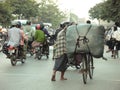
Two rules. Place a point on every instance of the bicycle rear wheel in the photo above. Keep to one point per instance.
(84, 68)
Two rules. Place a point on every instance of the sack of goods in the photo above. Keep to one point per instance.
(91, 39)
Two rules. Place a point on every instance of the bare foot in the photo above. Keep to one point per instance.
(53, 78)
(63, 78)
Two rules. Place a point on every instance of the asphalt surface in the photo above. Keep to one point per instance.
(36, 75)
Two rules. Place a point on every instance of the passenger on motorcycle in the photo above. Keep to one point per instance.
(39, 37)
(22, 44)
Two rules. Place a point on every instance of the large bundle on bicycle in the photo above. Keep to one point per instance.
(86, 38)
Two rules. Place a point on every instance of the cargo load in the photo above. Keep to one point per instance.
(89, 39)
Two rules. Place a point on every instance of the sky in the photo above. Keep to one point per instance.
(79, 7)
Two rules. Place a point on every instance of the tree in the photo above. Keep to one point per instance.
(73, 17)
(24, 8)
(49, 12)
(108, 10)
(5, 14)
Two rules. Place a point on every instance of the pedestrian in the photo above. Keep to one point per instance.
(116, 37)
(58, 30)
(59, 55)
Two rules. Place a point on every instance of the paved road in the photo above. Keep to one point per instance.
(36, 74)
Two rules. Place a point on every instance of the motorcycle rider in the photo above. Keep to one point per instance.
(23, 38)
(28, 30)
(14, 36)
(39, 37)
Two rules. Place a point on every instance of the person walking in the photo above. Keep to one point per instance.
(59, 55)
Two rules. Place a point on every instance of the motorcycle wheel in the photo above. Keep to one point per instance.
(22, 60)
(13, 60)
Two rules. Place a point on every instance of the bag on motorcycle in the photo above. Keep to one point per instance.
(94, 34)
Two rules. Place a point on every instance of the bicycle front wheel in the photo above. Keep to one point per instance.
(90, 66)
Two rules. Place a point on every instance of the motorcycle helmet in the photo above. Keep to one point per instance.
(41, 26)
(19, 24)
(38, 27)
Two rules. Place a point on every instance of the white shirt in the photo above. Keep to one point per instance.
(14, 36)
(109, 34)
(116, 34)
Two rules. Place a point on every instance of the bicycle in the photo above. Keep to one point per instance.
(86, 64)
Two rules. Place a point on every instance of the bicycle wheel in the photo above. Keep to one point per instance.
(84, 68)
(90, 66)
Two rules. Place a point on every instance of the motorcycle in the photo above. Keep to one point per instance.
(14, 54)
(41, 50)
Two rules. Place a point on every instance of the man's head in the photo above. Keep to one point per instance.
(64, 24)
(41, 25)
(28, 22)
(88, 22)
(117, 24)
(18, 24)
(38, 27)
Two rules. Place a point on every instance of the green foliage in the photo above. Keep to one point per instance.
(24, 8)
(45, 11)
(49, 12)
(5, 14)
(108, 10)
(73, 17)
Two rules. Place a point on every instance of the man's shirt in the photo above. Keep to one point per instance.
(60, 44)
(14, 36)
(116, 34)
